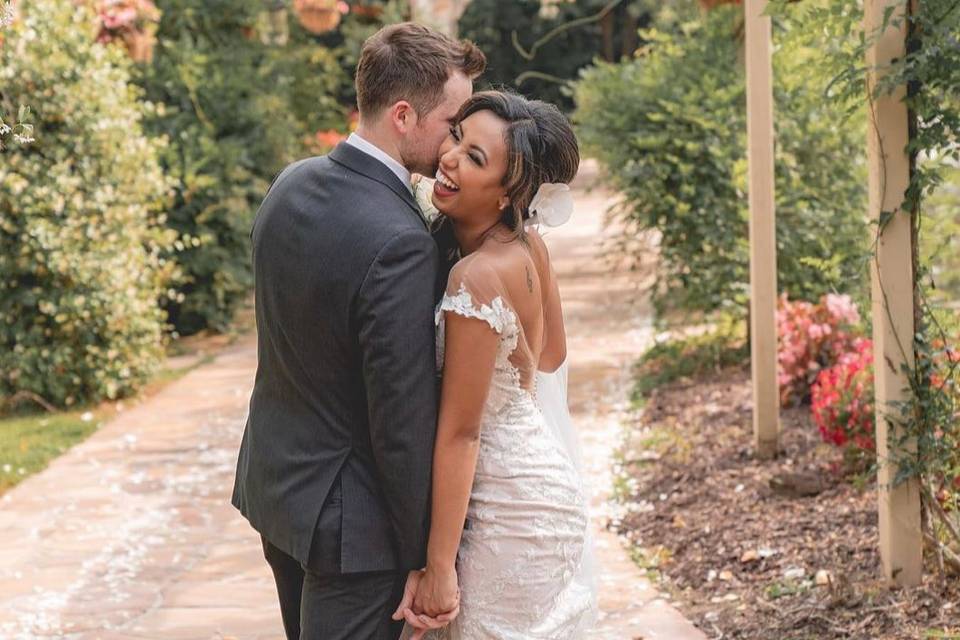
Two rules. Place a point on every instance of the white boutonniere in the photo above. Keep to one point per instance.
(552, 205)
(423, 193)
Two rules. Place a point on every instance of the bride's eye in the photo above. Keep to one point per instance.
(455, 134)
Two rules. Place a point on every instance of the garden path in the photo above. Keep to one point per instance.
(130, 535)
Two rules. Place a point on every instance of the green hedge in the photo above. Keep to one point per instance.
(670, 129)
(81, 236)
(235, 112)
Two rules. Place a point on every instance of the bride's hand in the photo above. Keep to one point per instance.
(438, 592)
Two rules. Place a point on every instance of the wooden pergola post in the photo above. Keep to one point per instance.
(763, 241)
(901, 541)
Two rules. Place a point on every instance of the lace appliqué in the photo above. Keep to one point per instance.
(496, 314)
(505, 385)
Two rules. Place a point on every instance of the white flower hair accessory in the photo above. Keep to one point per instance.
(553, 204)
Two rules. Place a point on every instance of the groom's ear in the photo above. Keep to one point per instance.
(403, 116)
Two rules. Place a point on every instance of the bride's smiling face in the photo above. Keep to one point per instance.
(473, 163)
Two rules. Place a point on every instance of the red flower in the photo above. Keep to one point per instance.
(842, 398)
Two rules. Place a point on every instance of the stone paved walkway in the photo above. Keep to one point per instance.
(130, 535)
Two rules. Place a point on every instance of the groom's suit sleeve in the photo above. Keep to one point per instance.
(395, 313)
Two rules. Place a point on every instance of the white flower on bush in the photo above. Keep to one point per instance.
(6, 13)
(842, 308)
(22, 131)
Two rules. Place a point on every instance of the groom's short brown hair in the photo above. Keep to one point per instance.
(411, 62)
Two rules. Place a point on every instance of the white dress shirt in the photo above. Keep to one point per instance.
(371, 149)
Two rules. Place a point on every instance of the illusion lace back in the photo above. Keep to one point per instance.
(521, 562)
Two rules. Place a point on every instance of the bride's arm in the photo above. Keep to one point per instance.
(470, 356)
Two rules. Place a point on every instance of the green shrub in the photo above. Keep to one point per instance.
(81, 236)
(311, 79)
(690, 356)
(235, 112)
(670, 130)
(940, 242)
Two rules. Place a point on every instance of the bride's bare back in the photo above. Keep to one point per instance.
(517, 274)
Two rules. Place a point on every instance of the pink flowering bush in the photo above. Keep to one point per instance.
(117, 16)
(842, 400)
(132, 22)
(812, 338)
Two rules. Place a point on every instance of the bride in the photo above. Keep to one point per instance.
(508, 553)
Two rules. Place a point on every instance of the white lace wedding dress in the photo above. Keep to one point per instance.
(524, 560)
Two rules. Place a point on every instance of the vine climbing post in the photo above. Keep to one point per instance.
(892, 292)
(763, 242)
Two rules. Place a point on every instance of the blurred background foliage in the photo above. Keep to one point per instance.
(83, 243)
(942, 234)
(236, 108)
(669, 127)
(572, 34)
(158, 128)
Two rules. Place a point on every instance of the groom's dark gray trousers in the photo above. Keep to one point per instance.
(335, 606)
(335, 463)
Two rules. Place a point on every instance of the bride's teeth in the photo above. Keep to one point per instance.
(447, 182)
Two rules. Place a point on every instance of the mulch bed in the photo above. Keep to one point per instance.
(778, 550)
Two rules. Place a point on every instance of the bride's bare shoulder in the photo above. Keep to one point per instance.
(477, 270)
(497, 262)
(477, 262)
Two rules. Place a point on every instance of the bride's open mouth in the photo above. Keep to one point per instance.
(444, 186)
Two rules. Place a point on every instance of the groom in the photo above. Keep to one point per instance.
(335, 464)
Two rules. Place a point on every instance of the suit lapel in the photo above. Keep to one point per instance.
(366, 165)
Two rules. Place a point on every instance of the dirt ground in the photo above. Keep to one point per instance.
(780, 550)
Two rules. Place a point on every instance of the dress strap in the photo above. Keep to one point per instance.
(496, 314)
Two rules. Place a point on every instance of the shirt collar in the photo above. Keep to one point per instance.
(354, 140)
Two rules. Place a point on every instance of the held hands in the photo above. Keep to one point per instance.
(438, 591)
(431, 600)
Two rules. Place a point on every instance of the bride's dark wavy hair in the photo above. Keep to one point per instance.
(541, 147)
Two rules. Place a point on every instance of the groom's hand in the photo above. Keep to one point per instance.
(409, 593)
(421, 623)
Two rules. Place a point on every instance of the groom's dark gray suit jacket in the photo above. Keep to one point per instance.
(335, 463)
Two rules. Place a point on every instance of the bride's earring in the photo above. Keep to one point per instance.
(503, 202)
